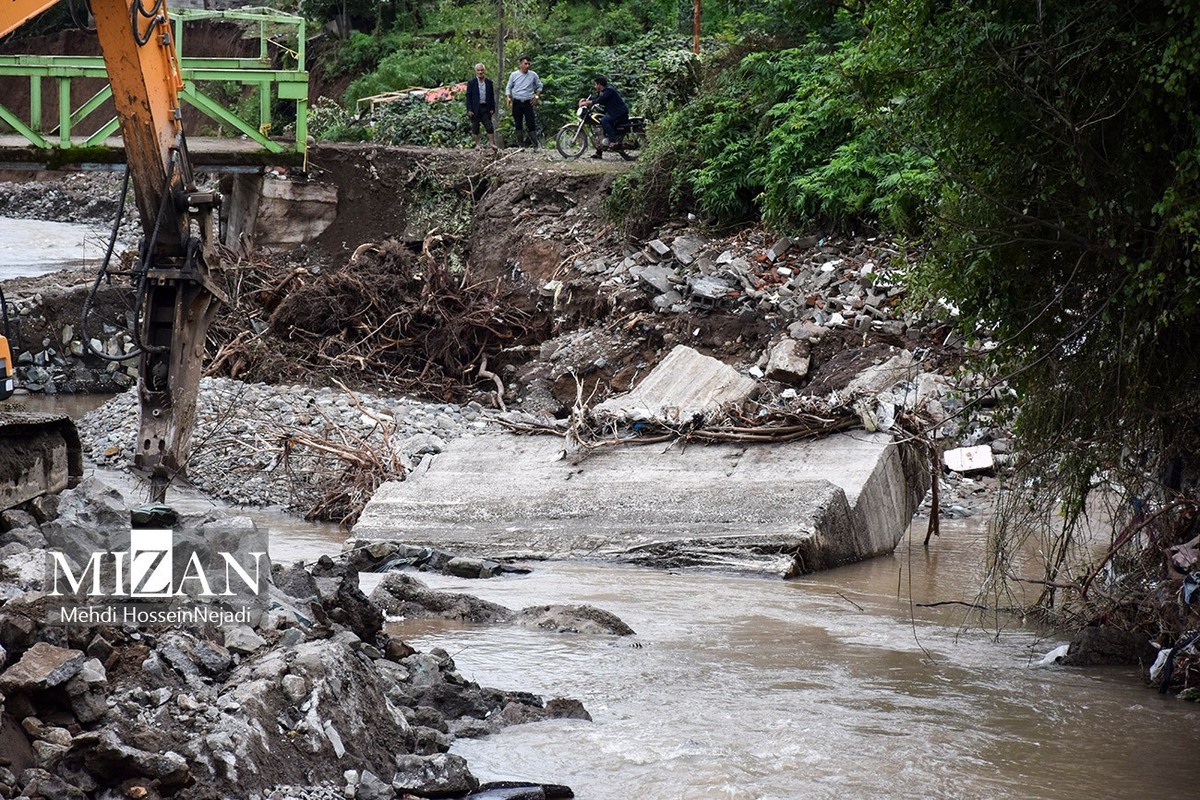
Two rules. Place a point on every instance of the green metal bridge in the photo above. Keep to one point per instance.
(78, 136)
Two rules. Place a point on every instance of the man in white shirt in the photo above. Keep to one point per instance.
(522, 94)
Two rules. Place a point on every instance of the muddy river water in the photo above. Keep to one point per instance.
(834, 685)
(34, 247)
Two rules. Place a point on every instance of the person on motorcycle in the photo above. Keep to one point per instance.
(615, 112)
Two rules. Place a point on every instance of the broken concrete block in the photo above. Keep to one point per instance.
(656, 277)
(242, 639)
(806, 329)
(969, 459)
(845, 497)
(659, 248)
(683, 385)
(666, 300)
(709, 288)
(438, 775)
(778, 249)
(876, 379)
(788, 362)
(593, 267)
(686, 247)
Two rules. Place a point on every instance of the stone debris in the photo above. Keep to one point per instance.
(241, 431)
(403, 596)
(309, 699)
(41, 667)
(787, 362)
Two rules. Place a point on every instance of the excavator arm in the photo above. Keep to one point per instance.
(176, 299)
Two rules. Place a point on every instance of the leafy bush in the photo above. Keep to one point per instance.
(433, 64)
(329, 120)
(618, 25)
(671, 80)
(361, 53)
(782, 135)
(415, 120)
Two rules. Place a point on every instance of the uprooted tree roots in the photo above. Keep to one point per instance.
(1143, 581)
(389, 315)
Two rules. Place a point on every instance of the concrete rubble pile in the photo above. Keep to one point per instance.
(817, 324)
(814, 325)
(310, 698)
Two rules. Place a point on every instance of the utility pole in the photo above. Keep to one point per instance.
(500, 76)
(696, 28)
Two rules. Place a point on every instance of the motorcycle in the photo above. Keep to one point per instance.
(574, 138)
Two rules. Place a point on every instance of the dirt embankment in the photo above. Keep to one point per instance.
(445, 267)
(458, 274)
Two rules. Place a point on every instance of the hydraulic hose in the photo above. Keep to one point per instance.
(103, 275)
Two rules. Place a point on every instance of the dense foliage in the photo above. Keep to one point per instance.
(1065, 136)
(782, 135)
(1066, 139)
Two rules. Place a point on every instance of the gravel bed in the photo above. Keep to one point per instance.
(244, 429)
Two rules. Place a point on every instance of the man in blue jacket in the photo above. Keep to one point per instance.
(481, 105)
(615, 112)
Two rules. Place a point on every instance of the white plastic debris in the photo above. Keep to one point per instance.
(1055, 656)
(1160, 663)
(969, 459)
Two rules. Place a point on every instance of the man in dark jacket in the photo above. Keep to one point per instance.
(615, 112)
(481, 105)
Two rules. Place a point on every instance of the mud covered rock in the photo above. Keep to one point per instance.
(1104, 644)
(440, 775)
(572, 619)
(43, 666)
(402, 595)
(113, 761)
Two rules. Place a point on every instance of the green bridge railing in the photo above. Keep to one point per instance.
(202, 77)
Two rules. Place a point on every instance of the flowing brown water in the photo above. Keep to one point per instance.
(830, 686)
(35, 247)
(835, 685)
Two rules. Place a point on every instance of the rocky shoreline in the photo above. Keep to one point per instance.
(305, 696)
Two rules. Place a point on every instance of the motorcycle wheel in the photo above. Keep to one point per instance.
(635, 141)
(571, 141)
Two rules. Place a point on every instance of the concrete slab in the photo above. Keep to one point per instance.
(782, 509)
(684, 384)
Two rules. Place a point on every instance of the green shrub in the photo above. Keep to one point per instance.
(433, 64)
(329, 120)
(782, 135)
(414, 120)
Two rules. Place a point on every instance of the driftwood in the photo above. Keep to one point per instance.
(401, 318)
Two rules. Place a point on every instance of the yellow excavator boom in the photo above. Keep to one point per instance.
(16, 13)
(175, 296)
